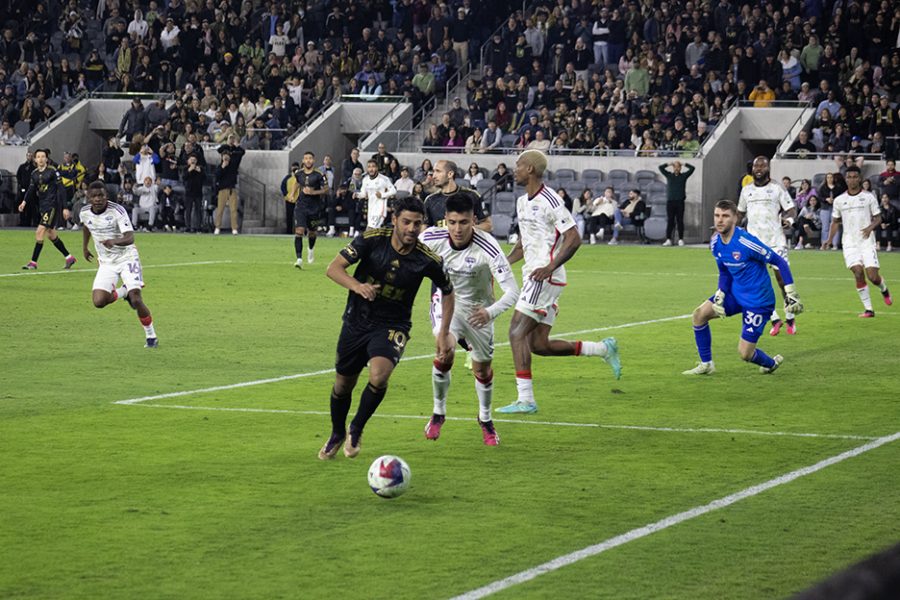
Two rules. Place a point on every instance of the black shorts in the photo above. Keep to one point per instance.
(307, 216)
(50, 219)
(355, 347)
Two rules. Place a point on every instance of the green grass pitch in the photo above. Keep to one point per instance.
(175, 497)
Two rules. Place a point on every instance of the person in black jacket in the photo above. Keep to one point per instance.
(193, 180)
(23, 180)
(134, 121)
(226, 192)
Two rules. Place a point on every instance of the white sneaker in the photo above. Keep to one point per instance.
(617, 226)
(613, 242)
(330, 232)
(75, 227)
(234, 232)
(681, 242)
(593, 239)
(600, 234)
(703, 368)
(799, 246)
(667, 243)
(299, 263)
(352, 232)
(216, 232)
(778, 360)
(310, 257)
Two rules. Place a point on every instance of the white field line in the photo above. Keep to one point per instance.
(676, 274)
(640, 532)
(525, 421)
(242, 384)
(187, 264)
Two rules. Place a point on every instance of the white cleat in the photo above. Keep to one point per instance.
(704, 368)
(299, 263)
(768, 370)
(310, 257)
(667, 243)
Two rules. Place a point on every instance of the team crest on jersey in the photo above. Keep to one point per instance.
(395, 263)
(470, 260)
(736, 255)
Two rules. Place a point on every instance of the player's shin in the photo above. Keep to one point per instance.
(762, 359)
(340, 408)
(864, 296)
(484, 389)
(36, 253)
(147, 323)
(61, 246)
(524, 387)
(440, 383)
(703, 338)
(591, 349)
(368, 404)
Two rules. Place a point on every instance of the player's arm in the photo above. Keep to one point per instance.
(126, 239)
(444, 340)
(517, 253)
(391, 191)
(502, 273)
(337, 269)
(571, 241)
(832, 231)
(86, 237)
(724, 288)
(29, 197)
(792, 301)
(873, 225)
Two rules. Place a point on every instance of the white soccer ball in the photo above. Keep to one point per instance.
(389, 476)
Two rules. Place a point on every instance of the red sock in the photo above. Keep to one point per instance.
(577, 348)
(489, 379)
(442, 367)
(523, 374)
(146, 321)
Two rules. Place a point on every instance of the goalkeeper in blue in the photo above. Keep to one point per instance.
(744, 288)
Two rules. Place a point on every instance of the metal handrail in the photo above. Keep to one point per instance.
(824, 155)
(776, 103)
(607, 152)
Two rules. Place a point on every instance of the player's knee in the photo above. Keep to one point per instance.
(100, 300)
(699, 316)
(746, 353)
(482, 370)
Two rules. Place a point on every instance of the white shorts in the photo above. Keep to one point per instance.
(481, 339)
(781, 251)
(109, 273)
(375, 214)
(863, 254)
(539, 300)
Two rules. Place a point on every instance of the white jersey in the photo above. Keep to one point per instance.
(763, 206)
(110, 224)
(542, 221)
(377, 207)
(855, 213)
(472, 270)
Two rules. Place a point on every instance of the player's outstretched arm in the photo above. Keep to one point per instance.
(517, 253)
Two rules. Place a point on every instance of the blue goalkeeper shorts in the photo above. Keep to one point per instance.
(753, 320)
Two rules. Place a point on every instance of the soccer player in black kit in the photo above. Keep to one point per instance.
(46, 186)
(310, 206)
(391, 265)
(445, 172)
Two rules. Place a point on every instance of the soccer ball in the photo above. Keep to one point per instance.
(389, 476)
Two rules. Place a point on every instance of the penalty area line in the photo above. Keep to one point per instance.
(650, 428)
(651, 528)
(168, 266)
(232, 386)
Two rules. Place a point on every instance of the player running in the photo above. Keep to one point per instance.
(860, 214)
(113, 236)
(310, 205)
(377, 189)
(548, 238)
(46, 186)
(768, 208)
(392, 264)
(473, 260)
(744, 287)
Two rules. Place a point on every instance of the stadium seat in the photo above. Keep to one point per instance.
(462, 182)
(484, 186)
(22, 129)
(655, 227)
(565, 175)
(618, 175)
(508, 140)
(591, 176)
(501, 225)
(504, 204)
(644, 178)
(657, 187)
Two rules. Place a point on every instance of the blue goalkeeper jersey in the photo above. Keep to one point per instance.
(742, 268)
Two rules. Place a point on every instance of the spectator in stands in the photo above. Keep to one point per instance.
(8, 136)
(454, 142)
(169, 206)
(833, 187)
(762, 95)
(630, 212)
(808, 222)
(492, 137)
(382, 158)
(148, 203)
(676, 196)
(225, 184)
(473, 175)
(602, 211)
(433, 138)
(889, 224)
(193, 180)
(503, 179)
(405, 183)
(474, 141)
(803, 147)
(889, 180)
(350, 163)
(424, 173)
(134, 121)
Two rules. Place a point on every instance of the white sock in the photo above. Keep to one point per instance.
(485, 393)
(122, 291)
(149, 330)
(440, 383)
(789, 315)
(593, 349)
(526, 390)
(883, 285)
(865, 297)
(774, 316)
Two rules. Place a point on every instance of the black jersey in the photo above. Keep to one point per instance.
(399, 276)
(436, 206)
(47, 186)
(316, 181)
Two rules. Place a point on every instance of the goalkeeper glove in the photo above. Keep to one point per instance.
(719, 304)
(792, 301)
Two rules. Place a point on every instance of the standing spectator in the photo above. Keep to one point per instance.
(890, 181)
(405, 183)
(278, 41)
(226, 192)
(459, 34)
(134, 121)
(809, 59)
(676, 195)
(169, 206)
(888, 227)
(349, 164)
(148, 200)
(194, 178)
(145, 163)
(112, 154)
(290, 191)
(23, 180)
(383, 158)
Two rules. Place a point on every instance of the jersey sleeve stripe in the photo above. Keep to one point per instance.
(554, 201)
(751, 245)
(484, 245)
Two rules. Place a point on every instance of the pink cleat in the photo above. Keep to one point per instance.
(70, 260)
(491, 437)
(776, 328)
(869, 314)
(886, 294)
(31, 266)
(791, 328)
(433, 429)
